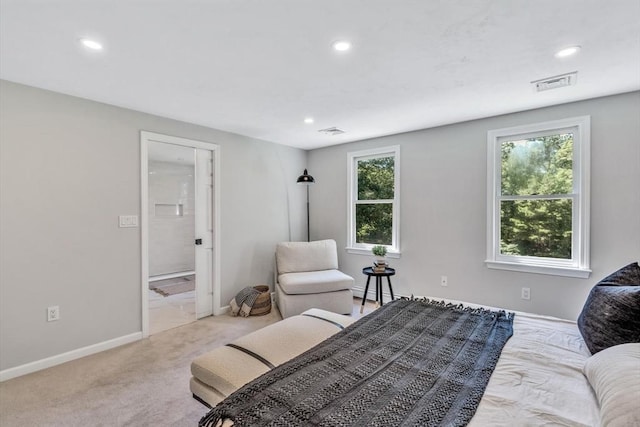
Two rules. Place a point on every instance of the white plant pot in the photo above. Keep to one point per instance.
(380, 259)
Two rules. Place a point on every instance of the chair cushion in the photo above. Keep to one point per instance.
(293, 257)
(288, 338)
(314, 282)
(218, 369)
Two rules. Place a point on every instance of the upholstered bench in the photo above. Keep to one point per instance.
(222, 371)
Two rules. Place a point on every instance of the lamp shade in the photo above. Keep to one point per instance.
(305, 178)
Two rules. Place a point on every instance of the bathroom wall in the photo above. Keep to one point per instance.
(171, 218)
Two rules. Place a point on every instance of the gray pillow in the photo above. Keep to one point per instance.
(611, 315)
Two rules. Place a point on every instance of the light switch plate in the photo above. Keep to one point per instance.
(126, 221)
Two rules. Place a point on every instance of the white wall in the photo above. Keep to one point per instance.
(68, 168)
(443, 208)
(171, 217)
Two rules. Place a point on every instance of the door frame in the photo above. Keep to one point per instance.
(145, 138)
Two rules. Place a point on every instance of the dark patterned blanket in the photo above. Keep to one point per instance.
(413, 363)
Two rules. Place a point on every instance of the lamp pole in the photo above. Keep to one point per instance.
(308, 222)
(307, 180)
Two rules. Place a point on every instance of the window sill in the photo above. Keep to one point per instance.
(581, 273)
(361, 251)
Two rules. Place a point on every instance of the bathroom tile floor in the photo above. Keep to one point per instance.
(172, 311)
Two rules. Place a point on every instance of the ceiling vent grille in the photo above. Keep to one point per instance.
(555, 82)
(331, 131)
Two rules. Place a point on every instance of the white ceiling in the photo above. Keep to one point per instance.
(259, 67)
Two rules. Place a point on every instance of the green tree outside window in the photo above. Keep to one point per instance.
(374, 205)
(536, 204)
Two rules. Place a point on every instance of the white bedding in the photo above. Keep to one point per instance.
(538, 380)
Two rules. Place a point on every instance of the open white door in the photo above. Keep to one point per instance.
(204, 232)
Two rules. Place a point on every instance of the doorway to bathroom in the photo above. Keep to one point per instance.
(178, 231)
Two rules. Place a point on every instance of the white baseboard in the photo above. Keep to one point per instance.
(38, 365)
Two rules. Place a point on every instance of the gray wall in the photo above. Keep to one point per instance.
(443, 208)
(68, 168)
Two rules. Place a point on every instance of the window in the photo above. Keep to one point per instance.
(538, 198)
(374, 200)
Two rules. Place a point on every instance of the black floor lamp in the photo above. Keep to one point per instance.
(307, 180)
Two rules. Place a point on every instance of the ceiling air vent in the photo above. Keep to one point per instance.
(331, 131)
(555, 82)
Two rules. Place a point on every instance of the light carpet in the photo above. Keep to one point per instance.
(138, 384)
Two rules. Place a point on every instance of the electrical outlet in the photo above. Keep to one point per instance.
(443, 281)
(526, 293)
(53, 313)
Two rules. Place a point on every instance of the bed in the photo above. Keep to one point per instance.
(543, 374)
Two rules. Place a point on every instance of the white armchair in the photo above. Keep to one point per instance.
(307, 276)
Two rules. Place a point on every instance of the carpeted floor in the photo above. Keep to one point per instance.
(140, 384)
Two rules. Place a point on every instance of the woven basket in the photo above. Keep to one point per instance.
(262, 305)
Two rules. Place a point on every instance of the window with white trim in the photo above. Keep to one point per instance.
(374, 194)
(538, 198)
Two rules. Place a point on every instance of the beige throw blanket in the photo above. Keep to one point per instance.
(243, 302)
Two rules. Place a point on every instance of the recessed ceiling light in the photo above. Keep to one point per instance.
(341, 45)
(308, 120)
(91, 44)
(567, 51)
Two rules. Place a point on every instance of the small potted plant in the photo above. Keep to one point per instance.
(380, 251)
